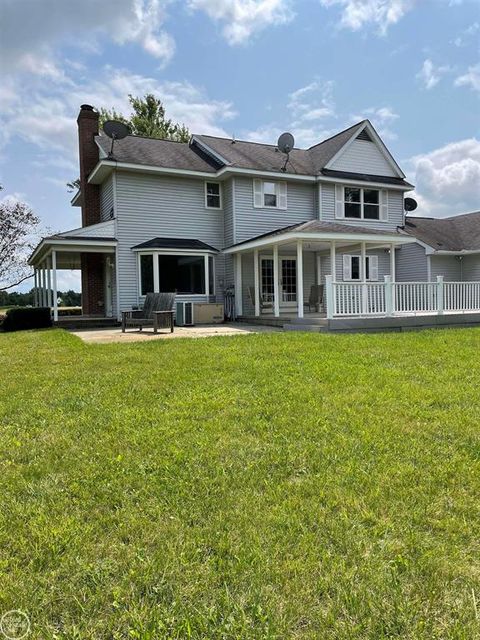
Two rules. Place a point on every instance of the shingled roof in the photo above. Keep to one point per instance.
(458, 233)
(233, 153)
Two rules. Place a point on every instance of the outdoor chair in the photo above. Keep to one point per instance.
(263, 303)
(157, 312)
(315, 298)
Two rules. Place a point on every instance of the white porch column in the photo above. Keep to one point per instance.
(363, 274)
(54, 285)
(238, 284)
(256, 282)
(300, 278)
(392, 262)
(318, 262)
(276, 288)
(49, 282)
(333, 261)
(43, 293)
(207, 278)
(35, 287)
(440, 294)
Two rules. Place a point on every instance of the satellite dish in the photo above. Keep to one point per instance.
(285, 142)
(285, 145)
(116, 131)
(410, 204)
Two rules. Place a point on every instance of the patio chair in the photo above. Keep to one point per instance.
(157, 312)
(263, 303)
(315, 298)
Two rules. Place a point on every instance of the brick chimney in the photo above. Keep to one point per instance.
(91, 263)
(89, 154)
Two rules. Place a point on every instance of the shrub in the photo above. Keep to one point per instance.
(21, 318)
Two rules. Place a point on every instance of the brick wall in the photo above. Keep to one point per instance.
(88, 155)
(93, 288)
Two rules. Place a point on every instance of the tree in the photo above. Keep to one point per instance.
(147, 119)
(18, 223)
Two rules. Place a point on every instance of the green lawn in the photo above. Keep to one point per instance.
(263, 486)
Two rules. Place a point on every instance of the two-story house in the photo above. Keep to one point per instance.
(201, 217)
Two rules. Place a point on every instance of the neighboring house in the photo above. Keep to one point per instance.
(200, 217)
(448, 247)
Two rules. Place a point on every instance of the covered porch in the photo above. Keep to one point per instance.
(296, 272)
(93, 256)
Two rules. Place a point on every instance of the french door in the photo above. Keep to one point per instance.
(287, 284)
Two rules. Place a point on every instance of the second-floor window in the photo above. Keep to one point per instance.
(362, 203)
(268, 194)
(213, 195)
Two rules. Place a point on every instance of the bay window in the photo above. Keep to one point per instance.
(186, 274)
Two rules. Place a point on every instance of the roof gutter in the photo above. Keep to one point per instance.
(105, 167)
(319, 237)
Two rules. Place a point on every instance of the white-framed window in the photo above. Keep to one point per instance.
(184, 273)
(361, 203)
(269, 194)
(213, 195)
(352, 267)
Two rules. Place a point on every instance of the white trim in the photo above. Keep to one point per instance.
(234, 218)
(108, 246)
(429, 268)
(367, 185)
(187, 252)
(256, 282)
(362, 203)
(278, 184)
(54, 285)
(205, 268)
(75, 201)
(276, 287)
(377, 140)
(319, 193)
(97, 176)
(238, 284)
(320, 237)
(299, 278)
(392, 263)
(220, 196)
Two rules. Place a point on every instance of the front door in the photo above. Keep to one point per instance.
(287, 283)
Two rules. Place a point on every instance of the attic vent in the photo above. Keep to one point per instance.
(364, 135)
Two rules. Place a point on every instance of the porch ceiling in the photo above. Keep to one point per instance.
(68, 250)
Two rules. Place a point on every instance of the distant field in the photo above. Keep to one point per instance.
(258, 487)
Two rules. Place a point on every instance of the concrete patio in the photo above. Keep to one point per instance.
(114, 334)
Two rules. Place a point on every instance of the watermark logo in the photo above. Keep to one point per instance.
(14, 624)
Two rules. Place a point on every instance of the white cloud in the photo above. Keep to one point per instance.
(45, 116)
(470, 79)
(29, 44)
(312, 102)
(448, 179)
(357, 14)
(465, 36)
(382, 119)
(243, 18)
(430, 74)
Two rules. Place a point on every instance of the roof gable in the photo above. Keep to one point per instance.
(364, 148)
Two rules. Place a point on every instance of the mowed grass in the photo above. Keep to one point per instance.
(254, 487)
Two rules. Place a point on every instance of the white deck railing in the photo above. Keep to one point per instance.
(349, 299)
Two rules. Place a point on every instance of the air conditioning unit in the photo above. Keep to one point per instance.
(184, 314)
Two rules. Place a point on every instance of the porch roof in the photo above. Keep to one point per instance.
(69, 249)
(175, 243)
(319, 231)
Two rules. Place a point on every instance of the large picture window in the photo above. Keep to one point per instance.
(183, 274)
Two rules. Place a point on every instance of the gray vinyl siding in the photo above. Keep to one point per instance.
(157, 206)
(471, 268)
(106, 199)
(362, 156)
(395, 210)
(251, 221)
(229, 237)
(446, 266)
(411, 263)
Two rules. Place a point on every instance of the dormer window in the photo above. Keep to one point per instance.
(213, 195)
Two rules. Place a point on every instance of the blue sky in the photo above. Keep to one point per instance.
(252, 68)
